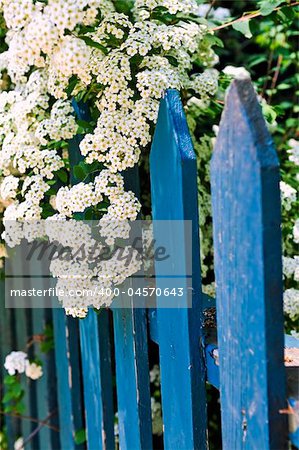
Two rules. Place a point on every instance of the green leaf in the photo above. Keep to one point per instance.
(213, 40)
(8, 397)
(51, 191)
(72, 84)
(79, 172)
(17, 390)
(283, 86)
(269, 112)
(80, 95)
(62, 175)
(243, 27)
(80, 436)
(257, 60)
(10, 379)
(173, 61)
(268, 6)
(47, 346)
(20, 408)
(88, 41)
(287, 14)
(88, 215)
(124, 6)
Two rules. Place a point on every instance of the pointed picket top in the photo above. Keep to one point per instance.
(242, 117)
(171, 105)
(174, 198)
(247, 247)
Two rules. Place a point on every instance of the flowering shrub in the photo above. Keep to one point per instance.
(120, 64)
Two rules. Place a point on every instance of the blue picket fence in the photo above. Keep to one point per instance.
(245, 362)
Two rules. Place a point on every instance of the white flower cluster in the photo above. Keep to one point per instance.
(294, 151)
(47, 51)
(296, 232)
(173, 6)
(124, 126)
(37, 31)
(123, 204)
(205, 84)
(60, 125)
(18, 362)
(291, 303)
(291, 267)
(24, 126)
(288, 195)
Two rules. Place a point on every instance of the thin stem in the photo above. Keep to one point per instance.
(269, 65)
(275, 77)
(32, 419)
(250, 16)
(37, 429)
(277, 70)
(34, 432)
(210, 8)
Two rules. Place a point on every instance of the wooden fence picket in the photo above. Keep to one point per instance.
(131, 360)
(249, 371)
(247, 242)
(7, 344)
(68, 370)
(97, 381)
(174, 197)
(43, 393)
(95, 347)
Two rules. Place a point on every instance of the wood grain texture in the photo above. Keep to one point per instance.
(132, 374)
(247, 241)
(68, 370)
(97, 381)
(131, 359)
(22, 333)
(44, 394)
(174, 197)
(7, 344)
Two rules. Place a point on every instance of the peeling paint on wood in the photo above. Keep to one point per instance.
(247, 242)
(179, 331)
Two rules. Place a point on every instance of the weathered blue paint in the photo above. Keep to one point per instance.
(212, 366)
(22, 333)
(245, 184)
(95, 353)
(97, 382)
(132, 375)
(131, 358)
(213, 377)
(68, 378)
(247, 242)
(68, 336)
(174, 197)
(7, 344)
(104, 328)
(294, 435)
(152, 319)
(43, 398)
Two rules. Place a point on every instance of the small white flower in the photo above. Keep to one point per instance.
(18, 445)
(33, 371)
(15, 362)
